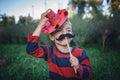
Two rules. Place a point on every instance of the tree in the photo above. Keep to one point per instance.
(11, 20)
(105, 28)
(106, 17)
(4, 20)
(24, 20)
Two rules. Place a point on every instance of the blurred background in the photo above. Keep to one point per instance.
(96, 24)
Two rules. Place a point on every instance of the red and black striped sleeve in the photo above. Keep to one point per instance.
(34, 49)
(85, 69)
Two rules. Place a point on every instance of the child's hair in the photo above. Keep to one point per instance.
(57, 30)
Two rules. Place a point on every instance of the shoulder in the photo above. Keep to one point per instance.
(78, 51)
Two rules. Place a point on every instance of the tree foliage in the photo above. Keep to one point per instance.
(99, 29)
(102, 27)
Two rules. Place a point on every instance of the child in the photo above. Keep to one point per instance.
(62, 65)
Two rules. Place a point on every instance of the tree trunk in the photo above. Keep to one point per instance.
(103, 42)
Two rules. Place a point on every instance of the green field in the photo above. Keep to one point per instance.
(15, 64)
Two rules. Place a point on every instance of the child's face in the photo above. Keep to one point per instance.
(65, 29)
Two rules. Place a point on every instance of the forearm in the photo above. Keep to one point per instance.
(33, 48)
(41, 24)
(37, 30)
(32, 45)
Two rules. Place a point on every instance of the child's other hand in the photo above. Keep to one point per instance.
(43, 19)
(74, 62)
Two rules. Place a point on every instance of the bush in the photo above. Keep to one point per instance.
(85, 30)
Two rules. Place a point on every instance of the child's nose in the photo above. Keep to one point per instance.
(64, 31)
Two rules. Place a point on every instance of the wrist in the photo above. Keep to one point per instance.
(40, 26)
(37, 30)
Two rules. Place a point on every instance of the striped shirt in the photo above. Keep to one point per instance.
(58, 62)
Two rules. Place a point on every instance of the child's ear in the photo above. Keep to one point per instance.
(52, 38)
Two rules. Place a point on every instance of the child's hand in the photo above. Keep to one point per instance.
(41, 24)
(43, 19)
(74, 62)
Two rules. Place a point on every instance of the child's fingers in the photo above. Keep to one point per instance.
(74, 61)
(74, 67)
(48, 10)
(45, 13)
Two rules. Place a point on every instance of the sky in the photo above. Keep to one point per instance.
(33, 7)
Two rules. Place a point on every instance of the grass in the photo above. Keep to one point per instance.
(15, 64)
(105, 65)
